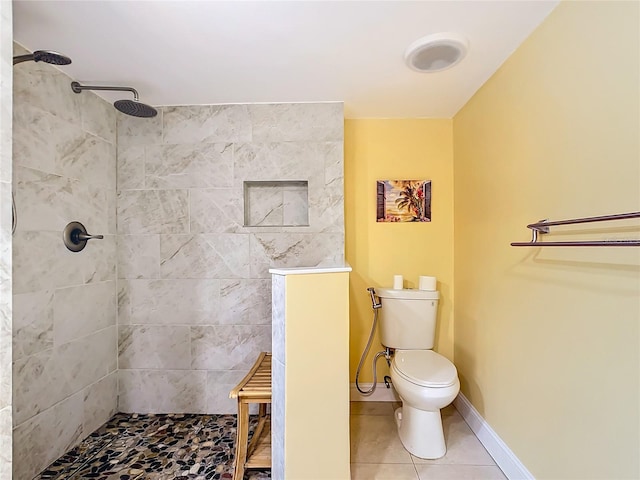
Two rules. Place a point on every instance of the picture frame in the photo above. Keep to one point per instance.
(403, 201)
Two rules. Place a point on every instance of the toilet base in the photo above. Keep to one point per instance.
(421, 432)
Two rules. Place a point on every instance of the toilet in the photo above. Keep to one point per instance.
(425, 380)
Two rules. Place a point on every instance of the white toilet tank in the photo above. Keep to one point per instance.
(407, 319)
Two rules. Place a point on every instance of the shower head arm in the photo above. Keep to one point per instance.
(77, 88)
(128, 107)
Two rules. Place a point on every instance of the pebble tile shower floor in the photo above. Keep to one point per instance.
(155, 447)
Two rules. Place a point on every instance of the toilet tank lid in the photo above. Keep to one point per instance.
(408, 294)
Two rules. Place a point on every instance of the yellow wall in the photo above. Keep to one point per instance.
(547, 340)
(317, 382)
(396, 150)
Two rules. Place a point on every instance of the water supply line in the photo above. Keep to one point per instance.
(376, 305)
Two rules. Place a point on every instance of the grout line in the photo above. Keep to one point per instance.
(415, 468)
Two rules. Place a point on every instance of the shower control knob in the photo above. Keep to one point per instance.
(75, 236)
(83, 236)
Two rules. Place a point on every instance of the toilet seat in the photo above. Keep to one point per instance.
(425, 368)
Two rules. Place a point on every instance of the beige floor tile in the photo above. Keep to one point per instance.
(463, 447)
(459, 472)
(383, 471)
(371, 408)
(374, 439)
(448, 410)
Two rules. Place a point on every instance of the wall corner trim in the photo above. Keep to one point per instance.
(511, 466)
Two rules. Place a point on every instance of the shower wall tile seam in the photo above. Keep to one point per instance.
(158, 189)
(65, 171)
(186, 132)
(6, 306)
(21, 417)
(189, 369)
(145, 152)
(76, 392)
(63, 287)
(118, 280)
(92, 332)
(73, 340)
(191, 325)
(239, 371)
(57, 173)
(57, 346)
(97, 135)
(37, 107)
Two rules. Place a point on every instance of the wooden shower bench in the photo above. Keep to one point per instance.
(255, 387)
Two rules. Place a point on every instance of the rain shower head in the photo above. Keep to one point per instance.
(135, 108)
(47, 56)
(128, 107)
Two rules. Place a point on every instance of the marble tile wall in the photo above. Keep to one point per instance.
(6, 102)
(194, 291)
(64, 303)
(278, 378)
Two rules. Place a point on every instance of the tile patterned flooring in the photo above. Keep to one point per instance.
(378, 454)
(155, 447)
(201, 447)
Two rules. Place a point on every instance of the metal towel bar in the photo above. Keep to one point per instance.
(543, 227)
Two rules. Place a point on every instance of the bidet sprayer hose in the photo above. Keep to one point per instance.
(375, 360)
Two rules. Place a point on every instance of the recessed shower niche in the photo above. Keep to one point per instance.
(276, 203)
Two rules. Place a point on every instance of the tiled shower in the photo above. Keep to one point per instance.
(170, 309)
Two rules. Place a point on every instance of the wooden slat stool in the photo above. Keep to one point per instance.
(255, 387)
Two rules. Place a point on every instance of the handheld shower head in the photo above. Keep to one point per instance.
(375, 304)
(47, 56)
(128, 107)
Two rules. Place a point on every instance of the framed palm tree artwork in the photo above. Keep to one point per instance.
(403, 201)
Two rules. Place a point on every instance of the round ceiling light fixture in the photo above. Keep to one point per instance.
(437, 52)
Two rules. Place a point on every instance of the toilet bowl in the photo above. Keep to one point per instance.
(426, 382)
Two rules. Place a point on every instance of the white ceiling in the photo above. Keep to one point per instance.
(212, 52)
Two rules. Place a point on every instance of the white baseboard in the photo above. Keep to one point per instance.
(504, 457)
(382, 393)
